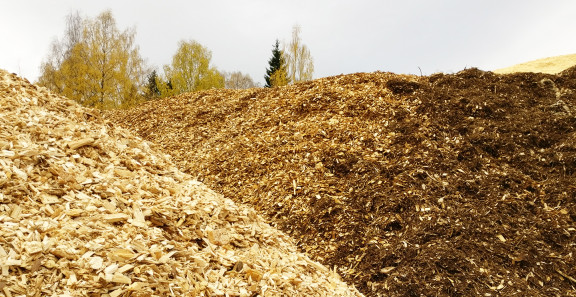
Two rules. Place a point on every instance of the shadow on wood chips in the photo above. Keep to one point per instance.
(448, 185)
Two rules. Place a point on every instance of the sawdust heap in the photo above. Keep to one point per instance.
(447, 185)
(87, 209)
(550, 65)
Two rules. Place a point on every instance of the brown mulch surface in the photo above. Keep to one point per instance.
(448, 185)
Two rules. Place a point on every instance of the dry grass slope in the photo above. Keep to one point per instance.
(447, 185)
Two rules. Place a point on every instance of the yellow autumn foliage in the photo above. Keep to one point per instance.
(97, 64)
(189, 71)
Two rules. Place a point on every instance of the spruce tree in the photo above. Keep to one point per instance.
(152, 90)
(276, 63)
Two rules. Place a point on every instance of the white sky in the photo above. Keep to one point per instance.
(343, 36)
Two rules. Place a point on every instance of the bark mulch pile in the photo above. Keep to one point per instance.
(88, 209)
(448, 185)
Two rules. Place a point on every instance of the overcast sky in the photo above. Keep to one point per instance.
(343, 36)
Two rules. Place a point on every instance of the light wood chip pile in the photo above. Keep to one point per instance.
(87, 209)
(550, 65)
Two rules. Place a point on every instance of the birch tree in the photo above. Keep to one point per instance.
(190, 71)
(300, 64)
(60, 50)
(238, 80)
(96, 64)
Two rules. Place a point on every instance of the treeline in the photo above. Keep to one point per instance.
(100, 66)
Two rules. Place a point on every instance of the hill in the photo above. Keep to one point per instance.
(87, 209)
(447, 185)
(550, 65)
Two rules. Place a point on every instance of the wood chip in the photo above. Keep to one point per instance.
(80, 143)
(117, 217)
(435, 175)
(124, 220)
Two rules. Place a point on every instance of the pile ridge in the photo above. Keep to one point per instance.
(446, 185)
(88, 209)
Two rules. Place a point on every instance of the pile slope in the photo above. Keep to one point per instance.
(550, 65)
(87, 209)
(447, 185)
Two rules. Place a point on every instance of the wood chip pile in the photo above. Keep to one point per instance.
(448, 185)
(87, 209)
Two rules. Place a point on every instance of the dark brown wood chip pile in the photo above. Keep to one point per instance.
(448, 185)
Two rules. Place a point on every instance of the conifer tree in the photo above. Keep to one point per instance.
(276, 75)
(152, 90)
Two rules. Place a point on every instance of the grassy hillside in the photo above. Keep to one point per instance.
(447, 185)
